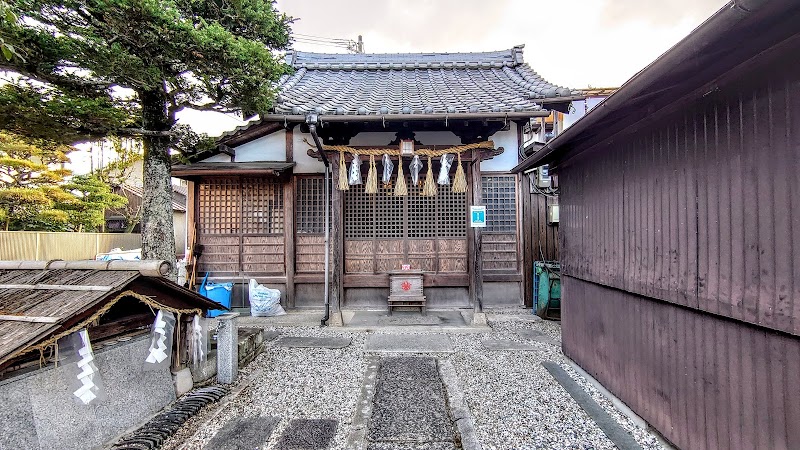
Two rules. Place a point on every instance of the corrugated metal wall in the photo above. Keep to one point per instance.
(44, 246)
(703, 381)
(681, 255)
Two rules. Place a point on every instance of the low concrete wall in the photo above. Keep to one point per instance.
(39, 411)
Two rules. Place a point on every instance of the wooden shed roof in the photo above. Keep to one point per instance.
(39, 299)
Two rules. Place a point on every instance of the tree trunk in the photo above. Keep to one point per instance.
(158, 239)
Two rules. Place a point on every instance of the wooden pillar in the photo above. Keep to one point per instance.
(337, 242)
(289, 224)
(476, 270)
(288, 239)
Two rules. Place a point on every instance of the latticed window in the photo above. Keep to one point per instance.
(499, 194)
(310, 205)
(219, 206)
(250, 206)
(385, 216)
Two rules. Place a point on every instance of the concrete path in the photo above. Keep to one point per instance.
(408, 343)
(312, 342)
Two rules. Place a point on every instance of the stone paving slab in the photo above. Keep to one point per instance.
(409, 343)
(312, 342)
(270, 335)
(406, 319)
(241, 433)
(537, 336)
(506, 345)
(308, 434)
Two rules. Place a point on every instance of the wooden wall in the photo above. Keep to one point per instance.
(540, 239)
(679, 260)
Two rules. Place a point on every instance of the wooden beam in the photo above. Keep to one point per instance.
(56, 287)
(31, 319)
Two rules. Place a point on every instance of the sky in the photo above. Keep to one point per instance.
(572, 43)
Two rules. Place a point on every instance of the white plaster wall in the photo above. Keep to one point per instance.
(581, 108)
(510, 156)
(221, 158)
(303, 162)
(426, 137)
(271, 147)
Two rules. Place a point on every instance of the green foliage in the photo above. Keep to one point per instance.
(29, 162)
(7, 17)
(208, 55)
(163, 55)
(86, 206)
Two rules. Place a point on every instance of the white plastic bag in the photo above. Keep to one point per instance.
(264, 302)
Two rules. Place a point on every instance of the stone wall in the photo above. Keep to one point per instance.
(39, 410)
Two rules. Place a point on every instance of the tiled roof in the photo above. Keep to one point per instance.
(406, 83)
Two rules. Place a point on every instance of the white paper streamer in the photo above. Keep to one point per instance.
(80, 368)
(388, 168)
(444, 171)
(160, 351)
(355, 171)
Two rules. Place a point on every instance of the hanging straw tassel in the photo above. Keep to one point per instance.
(343, 184)
(429, 188)
(372, 177)
(460, 180)
(400, 189)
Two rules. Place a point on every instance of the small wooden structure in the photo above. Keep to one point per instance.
(405, 289)
(41, 301)
(679, 234)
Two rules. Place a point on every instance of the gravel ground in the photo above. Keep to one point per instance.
(514, 401)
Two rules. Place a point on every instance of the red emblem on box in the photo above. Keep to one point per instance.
(406, 286)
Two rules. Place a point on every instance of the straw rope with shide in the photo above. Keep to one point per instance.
(52, 342)
(429, 186)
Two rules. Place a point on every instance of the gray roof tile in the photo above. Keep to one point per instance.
(406, 83)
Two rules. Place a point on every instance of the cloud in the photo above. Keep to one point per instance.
(656, 12)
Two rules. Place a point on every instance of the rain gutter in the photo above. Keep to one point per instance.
(312, 121)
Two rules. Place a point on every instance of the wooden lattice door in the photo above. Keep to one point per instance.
(383, 231)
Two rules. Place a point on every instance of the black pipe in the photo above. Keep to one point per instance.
(312, 128)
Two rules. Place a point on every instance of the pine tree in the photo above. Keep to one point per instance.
(207, 55)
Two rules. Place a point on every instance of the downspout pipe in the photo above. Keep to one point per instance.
(312, 121)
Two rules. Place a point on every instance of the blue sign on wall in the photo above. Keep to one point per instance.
(477, 216)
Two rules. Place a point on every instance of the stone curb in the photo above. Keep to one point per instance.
(458, 409)
(357, 438)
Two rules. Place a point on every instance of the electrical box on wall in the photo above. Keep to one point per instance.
(552, 214)
(543, 179)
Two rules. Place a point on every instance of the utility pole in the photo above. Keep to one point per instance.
(360, 45)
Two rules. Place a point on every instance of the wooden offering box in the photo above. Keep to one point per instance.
(406, 289)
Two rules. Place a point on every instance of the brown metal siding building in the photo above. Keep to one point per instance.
(680, 234)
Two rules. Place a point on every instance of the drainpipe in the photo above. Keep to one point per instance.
(312, 121)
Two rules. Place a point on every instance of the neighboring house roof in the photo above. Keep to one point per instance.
(729, 38)
(65, 292)
(599, 92)
(138, 193)
(406, 83)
